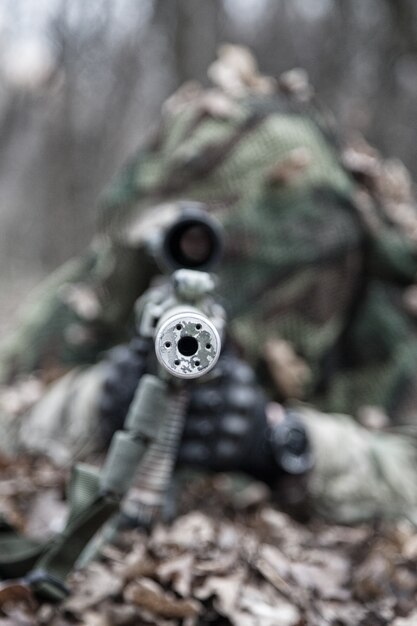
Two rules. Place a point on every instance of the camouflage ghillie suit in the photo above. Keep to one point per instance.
(318, 257)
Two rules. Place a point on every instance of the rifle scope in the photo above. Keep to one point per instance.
(194, 241)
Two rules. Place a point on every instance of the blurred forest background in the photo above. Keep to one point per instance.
(81, 85)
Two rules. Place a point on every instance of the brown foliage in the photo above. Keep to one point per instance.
(226, 559)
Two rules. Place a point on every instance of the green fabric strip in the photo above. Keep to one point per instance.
(46, 563)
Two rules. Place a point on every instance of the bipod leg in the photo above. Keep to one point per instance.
(156, 469)
(141, 428)
(127, 448)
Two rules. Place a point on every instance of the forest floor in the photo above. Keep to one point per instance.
(230, 557)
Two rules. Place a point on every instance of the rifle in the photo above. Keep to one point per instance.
(183, 322)
(181, 319)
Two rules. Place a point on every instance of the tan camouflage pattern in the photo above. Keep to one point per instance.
(320, 254)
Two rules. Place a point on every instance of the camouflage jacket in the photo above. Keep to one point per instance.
(313, 281)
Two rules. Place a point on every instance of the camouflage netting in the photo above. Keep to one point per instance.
(320, 239)
(305, 220)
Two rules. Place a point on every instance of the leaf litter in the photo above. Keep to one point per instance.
(229, 558)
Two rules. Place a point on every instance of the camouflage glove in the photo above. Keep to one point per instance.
(231, 427)
(125, 366)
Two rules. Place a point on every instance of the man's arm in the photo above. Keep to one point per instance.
(360, 474)
(50, 371)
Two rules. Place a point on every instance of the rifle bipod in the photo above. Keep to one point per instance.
(39, 569)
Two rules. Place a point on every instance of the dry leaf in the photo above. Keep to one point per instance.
(97, 583)
(269, 613)
(82, 299)
(275, 568)
(290, 168)
(95, 619)
(289, 372)
(148, 595)
(226, 591)
(296, 83)
(411, 620)
(249, 567)
(137, 564)
(236, 72)
(194, 530)
(179, 572)
(327, 579)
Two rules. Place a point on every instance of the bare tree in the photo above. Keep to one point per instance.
(117, 60)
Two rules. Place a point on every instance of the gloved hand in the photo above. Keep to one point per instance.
(125, 365)
(231, 426)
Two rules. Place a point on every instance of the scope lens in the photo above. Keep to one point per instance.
(195, 245)
(192, 244)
